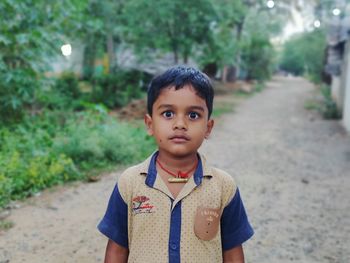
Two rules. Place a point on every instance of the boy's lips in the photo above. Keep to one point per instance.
(179, 138)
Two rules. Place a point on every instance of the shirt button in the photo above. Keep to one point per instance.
(173, 246)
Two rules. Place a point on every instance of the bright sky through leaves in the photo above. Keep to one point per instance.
(336, 11)
(270, 4)
(66, 50)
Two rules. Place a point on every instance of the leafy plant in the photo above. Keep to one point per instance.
(328, 108)
(304, 55)
(31, 32)
(57, 147)
(116, 90)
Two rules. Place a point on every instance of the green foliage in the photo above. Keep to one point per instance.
(257, 52)
(259, 86)
(328, 108)
(304, 55)
(100, 25)
(31, 32)
(57, 147)
(106, 91)
(222, 108)
(27, 165)
(4, 224)
(257, 56)
(68, 85)
(326, 105)
(94, 144)
(116, 90)
(176, 26)
(60, 93)
(221, 47)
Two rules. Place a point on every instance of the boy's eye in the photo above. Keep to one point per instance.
(193, 115)
(168, 114)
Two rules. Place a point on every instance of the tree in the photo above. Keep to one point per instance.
(176, 26)
(31, 32)
(220, 47)
(304, 54)
(100, 29)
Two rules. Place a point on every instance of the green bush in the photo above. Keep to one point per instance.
(100, 142)
(304, 53)
(56, 147)
(68, 85)
(328, 108)
(16, 92)
(257, 58)
(117, 89)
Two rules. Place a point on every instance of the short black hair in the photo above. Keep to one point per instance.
(179, 77)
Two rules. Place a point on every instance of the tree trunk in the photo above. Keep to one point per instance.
(185, 58)
(110, 52)
(89, 58)
(224, 74)
(238, 55)
(176, 53)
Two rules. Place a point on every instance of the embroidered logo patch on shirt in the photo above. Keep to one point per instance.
(140, 204)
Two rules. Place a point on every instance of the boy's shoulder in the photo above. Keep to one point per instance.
(223, 175)
(131, 177)
(218, 173)
(132, 172)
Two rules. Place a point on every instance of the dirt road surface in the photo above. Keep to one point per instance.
(292, 167)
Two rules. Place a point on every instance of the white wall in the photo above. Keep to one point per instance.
(346, 107)
(336, 92)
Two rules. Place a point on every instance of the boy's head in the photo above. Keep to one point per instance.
(180, 102)
(180, 77)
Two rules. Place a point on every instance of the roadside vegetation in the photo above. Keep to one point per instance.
(304, 55)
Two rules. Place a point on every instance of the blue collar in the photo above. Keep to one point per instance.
(152, 171)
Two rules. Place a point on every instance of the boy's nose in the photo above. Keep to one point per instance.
(180, 123)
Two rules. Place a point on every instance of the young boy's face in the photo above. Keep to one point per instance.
(179, 121)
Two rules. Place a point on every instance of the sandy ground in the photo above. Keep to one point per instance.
(292, 167)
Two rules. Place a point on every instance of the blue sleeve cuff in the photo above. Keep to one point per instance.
(235, 227)
(114, 224)
(237, 238)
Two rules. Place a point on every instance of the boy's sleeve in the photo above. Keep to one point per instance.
(235, 228)
(114, 224)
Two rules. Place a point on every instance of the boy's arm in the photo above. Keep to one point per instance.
(235, 230)
(114, 225)
(234, 255)
(116, 253)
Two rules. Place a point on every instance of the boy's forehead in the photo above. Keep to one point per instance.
(185, 96)
(188, 87)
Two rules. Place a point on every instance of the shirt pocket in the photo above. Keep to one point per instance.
(206, 222)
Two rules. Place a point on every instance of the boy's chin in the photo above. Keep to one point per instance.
(179, 153)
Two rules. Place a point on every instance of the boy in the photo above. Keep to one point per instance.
(174, 207)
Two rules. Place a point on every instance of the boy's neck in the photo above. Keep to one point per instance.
(176, 164)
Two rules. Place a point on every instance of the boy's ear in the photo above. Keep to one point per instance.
(210, 126)
(148, 123)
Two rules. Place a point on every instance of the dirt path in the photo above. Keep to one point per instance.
(293, 170)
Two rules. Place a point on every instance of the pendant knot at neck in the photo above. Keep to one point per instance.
(182, 175)
(179, 173)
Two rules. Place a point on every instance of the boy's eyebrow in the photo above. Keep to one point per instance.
(200, 108)
(164, 106)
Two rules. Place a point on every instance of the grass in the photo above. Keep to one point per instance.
(325, 105)
(226, 101)
(5, 225)
(312, 105)
(222, 108)
(59, 147)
